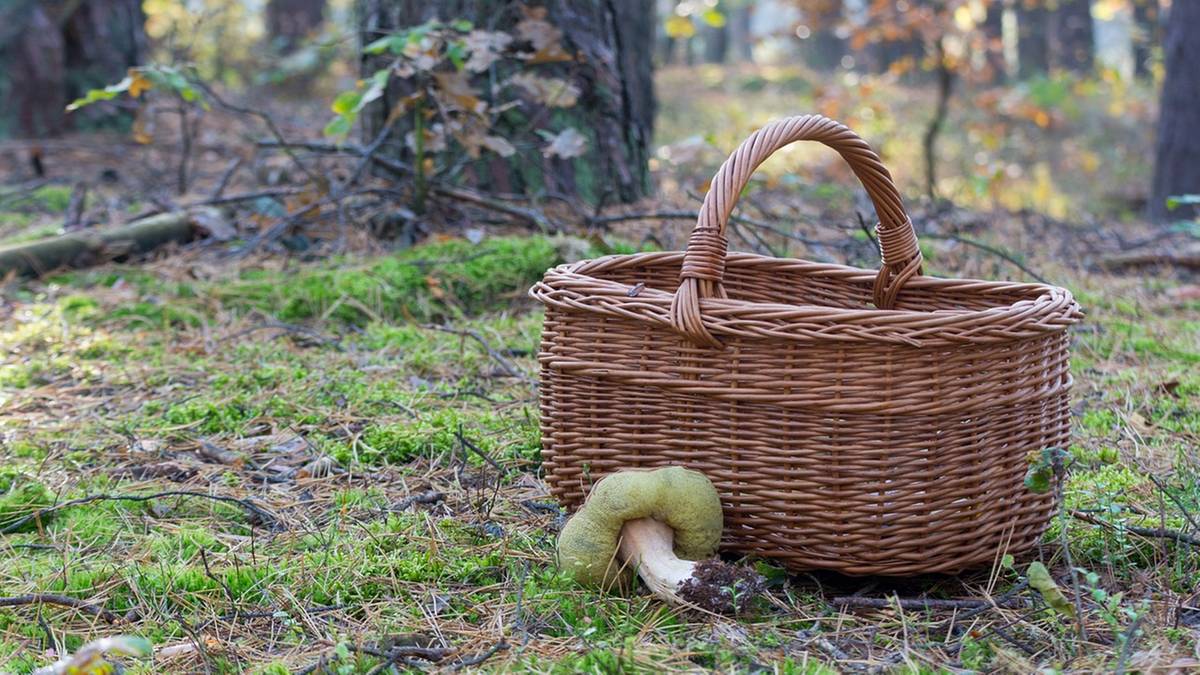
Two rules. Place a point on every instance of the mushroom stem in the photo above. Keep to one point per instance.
(648, 545)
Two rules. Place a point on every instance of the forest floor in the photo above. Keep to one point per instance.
(294, 461)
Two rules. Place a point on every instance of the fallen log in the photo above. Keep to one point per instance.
(91, 247)
(1118, 262)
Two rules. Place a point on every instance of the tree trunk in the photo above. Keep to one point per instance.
(740, 39)
(1072, 39)
(824, 49)
(1177, 159)
(716, 43)
(610, 44)
(1033, 56)
(53, 52)
(993, 42)
(289, 22)
(1147, 34)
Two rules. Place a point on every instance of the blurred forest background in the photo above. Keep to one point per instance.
(268, 394)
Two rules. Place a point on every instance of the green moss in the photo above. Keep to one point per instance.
(22, 498)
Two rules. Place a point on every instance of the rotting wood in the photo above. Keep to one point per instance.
(90, 247)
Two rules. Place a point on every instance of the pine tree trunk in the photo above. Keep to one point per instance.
(716, 43)
(993, 42)
(1072, 38)
(1148, 33)
(824, 49)
(610, 43)
(1177, 157)
(53, 52)
(290, 21)
(1033, 56)
(740, 39)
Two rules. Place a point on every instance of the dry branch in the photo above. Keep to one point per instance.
(85, 248)
(921, 603)
(1143, 259)
(1154, 532)
(262, 515)
(62, 601)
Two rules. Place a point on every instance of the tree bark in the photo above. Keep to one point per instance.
(1148, 32)
(1177, 156)
(824, 49)
(716, 43)
(1033, 56)
(289, 22)
(91, 247)
(993, 42)
(740, 39)
(1072, 38)
(610, 41)
(53, 52)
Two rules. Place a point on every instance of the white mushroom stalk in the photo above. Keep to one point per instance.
(647, 545)
(665, 524)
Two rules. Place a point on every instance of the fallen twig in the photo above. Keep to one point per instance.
(62, 601)
(264, 517)
(508, 366)
(1119, 262)
(480, 657)
(1158, 532)
(921, 603)
(226, 176)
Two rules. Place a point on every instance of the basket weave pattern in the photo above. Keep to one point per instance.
(870, 422)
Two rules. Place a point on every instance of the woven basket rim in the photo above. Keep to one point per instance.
(1044, 309)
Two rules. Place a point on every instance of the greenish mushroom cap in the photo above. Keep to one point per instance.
(683, 499)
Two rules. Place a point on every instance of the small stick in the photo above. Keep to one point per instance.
(1157, 532)
(920, 603)
(226, 177)
(62, 601)
(266, 517)
(480, 657)
(504, 363)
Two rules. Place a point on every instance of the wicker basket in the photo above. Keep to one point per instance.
(859, 421)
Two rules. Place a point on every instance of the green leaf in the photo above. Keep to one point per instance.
(1176, 201)
(462, 25)
(457, 53)
(1007, 561)
(1041, 581)
(378, 83)
(106, 94)
(338, 126)
(388, 43)
(347, 102)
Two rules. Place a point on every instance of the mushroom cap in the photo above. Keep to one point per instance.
(683, 499)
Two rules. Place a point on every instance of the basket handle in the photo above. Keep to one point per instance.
(704, 260)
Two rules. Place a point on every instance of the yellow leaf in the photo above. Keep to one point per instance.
(138, 83)
(679, 27)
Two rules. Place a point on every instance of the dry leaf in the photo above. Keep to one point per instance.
(138, 83)
(455, 88)
(542, 35)
(434, 137)
(485, 47)
(498, 145)
(551, 91)
(566, 144)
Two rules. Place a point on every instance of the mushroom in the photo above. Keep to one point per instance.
(659, 523)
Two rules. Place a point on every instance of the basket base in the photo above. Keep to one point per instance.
(917, 494)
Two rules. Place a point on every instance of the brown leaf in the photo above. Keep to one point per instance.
(550, 91)
(542, 35)
(455, 90)
(485, 47)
